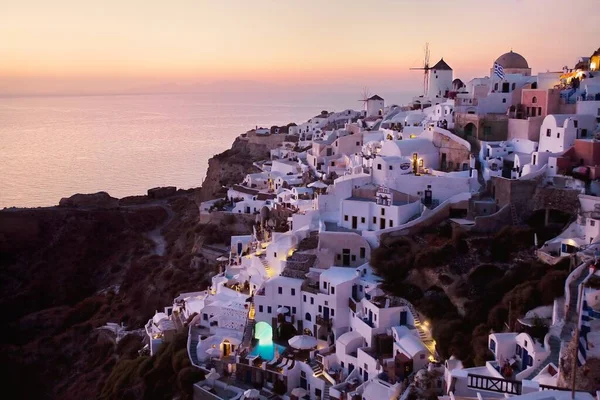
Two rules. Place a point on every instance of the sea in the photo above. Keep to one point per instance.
(55, 146)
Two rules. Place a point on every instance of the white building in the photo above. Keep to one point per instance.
(558, 132)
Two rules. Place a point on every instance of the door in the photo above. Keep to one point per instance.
(325, 313)
(346, 257)
(381, 223)
(525, 357)
(355, 292)
(370, 316)
(403, 318)
(354, 222)
(350, 368)
(365, 375)
(443, 161)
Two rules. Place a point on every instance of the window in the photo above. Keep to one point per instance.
(575, 123)
(548, 132)
(205, 317)
(525, 344)
(362, 220)
(518, 351)
(496, 86)
(293, 310)
(391, 167)
(312, 300)
(374, 220)
(345, 218)
(307, 317)
(584, 132)
(534, 100)
(269, 310)
(324, 285)
(293, 292)
(493, 345)
(391, 223)
(592, 222)
(598, 112)
(362, 252)
(358, 143)
(320, 308)
(332, 312)
(304, 298)
(504, 100)
(514, 85)
(383, 211)
(375, 317)
(280, 290)
(366, 367)
(378, 166)
(260, 308)
(332, 289)
(422, 356)
(353, 257)
(274, 255)
(558, 135)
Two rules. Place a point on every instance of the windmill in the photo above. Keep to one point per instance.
(425, 70)
(365, 94)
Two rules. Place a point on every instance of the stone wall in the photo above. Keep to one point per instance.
(494, 222)
(456, 153)
(528, 196)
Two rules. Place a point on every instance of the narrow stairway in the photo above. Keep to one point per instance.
(326, 392)
(248, 333)
(552, 357)
(316, 367)
(570, 319)
(193, 352)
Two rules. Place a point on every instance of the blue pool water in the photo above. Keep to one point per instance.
(266, 351)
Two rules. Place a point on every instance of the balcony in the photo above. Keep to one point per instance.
(323, 321)
(352, 304)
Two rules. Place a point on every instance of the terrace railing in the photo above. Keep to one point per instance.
(499, 385)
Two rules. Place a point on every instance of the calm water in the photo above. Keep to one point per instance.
(267, 351)
(53, 147)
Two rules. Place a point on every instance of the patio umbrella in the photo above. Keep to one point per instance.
(223, 258)
(214, 352)
(318, 185)
(303, 342)
(213, 375)
(251, 394)
(283, 310)
(299, 392)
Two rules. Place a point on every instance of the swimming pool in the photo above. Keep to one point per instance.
(266, 351)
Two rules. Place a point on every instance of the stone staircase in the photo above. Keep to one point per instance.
(265, 263)
(423, 335)
(248, 333)
(555, 344)
(192, 351)
(316, 367)
(513, 215)
(326, 392)
(571, 316)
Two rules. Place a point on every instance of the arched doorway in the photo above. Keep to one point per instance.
(263, 332)
(470, 129)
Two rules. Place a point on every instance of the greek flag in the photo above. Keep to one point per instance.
(587, 314)
(499, 71)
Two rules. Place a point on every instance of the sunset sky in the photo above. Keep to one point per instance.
(116, 45)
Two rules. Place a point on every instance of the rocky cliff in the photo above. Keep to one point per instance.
(234, 164)
(66, 271)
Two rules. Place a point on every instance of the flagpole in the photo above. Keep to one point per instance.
(575, 352)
